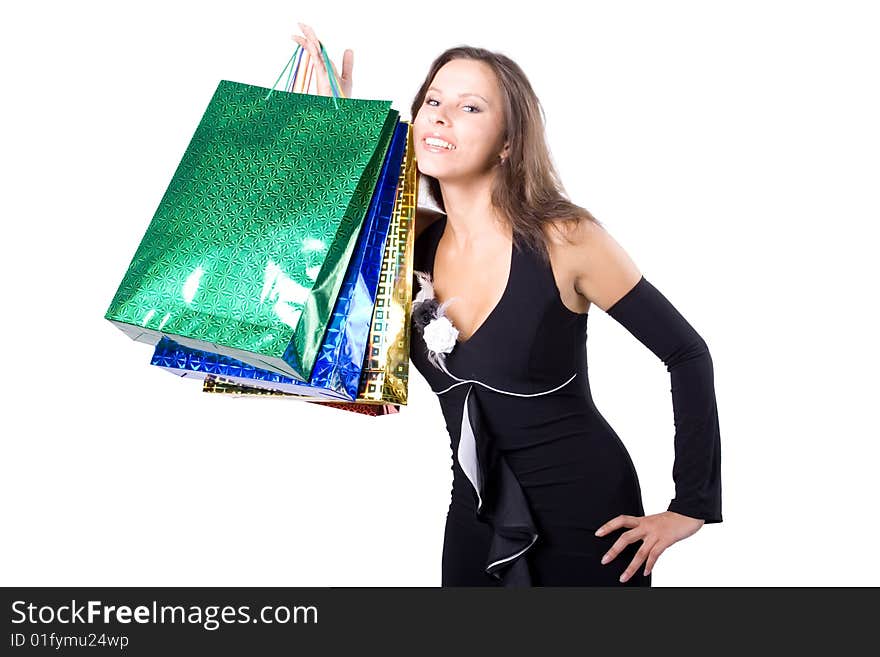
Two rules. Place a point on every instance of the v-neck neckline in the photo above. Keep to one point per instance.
(504, 294)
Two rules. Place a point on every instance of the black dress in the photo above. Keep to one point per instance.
(536, 468)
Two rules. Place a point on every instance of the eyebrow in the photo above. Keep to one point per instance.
(462, 95)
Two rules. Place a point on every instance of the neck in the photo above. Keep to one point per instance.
(471, 219)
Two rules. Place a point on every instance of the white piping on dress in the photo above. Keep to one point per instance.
(513, 556)
(506, 392)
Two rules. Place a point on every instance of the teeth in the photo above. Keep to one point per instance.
(433, 141)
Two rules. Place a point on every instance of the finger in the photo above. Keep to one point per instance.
(637, 561)
(305, 30)
(609, 526)
(318, 63)
(319, 57)
(310, 33)
(310, 37)
(625, 539)
(615, 523)
(347, 64)
(655, 553)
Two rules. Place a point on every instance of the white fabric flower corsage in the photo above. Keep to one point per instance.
(440, 335)
(429, 316)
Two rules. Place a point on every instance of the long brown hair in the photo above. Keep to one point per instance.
(527, 189)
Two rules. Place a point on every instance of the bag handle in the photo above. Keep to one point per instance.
(294, 73)
(302, 81)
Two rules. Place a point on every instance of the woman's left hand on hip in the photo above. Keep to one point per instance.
(657, 532)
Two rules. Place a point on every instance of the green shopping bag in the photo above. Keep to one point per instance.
(248, 248)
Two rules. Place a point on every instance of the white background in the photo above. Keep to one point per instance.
(731, 149)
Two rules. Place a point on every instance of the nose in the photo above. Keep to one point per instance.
(438, 118)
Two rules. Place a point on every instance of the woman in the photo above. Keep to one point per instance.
(544, 492)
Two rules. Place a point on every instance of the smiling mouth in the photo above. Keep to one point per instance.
(436, 147)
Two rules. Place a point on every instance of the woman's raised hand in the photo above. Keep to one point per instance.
(313, 46)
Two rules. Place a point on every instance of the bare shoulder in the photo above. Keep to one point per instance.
(601, 270)
(424, 218)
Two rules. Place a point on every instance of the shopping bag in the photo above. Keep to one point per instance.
(247, 251)
(340, 361)
(384, 376)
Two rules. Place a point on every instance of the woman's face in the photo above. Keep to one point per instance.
(462, 107)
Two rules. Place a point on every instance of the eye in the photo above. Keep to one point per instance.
(473, 107)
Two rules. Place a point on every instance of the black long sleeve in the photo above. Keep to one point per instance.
(656, 323)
